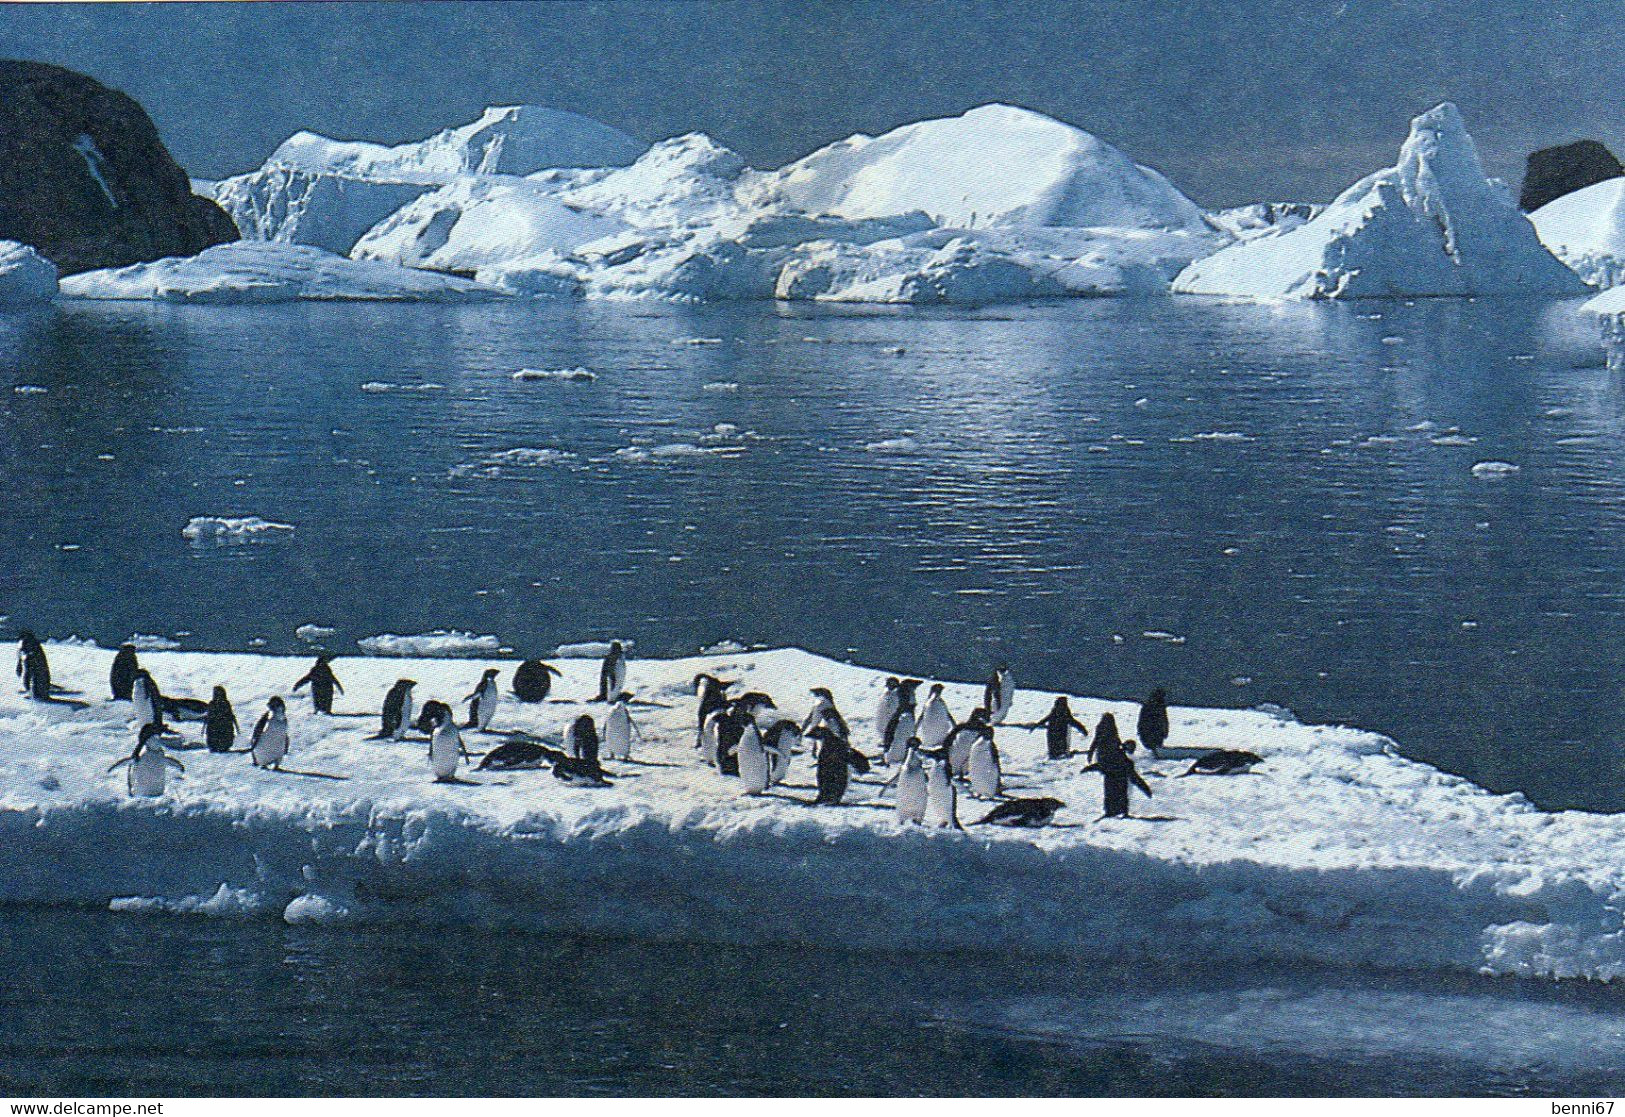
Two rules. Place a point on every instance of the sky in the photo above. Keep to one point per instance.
(1235, 100)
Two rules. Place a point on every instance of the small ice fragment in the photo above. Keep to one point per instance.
(30, 390)
(314, 633)
(720, 386)
(233, 529)
(1490, 470)
(723, 647)
(580, 375)
(697, 341)
(903, 445)
(145, 642)
(1453, 440)
(440, 642)
(1165, 637)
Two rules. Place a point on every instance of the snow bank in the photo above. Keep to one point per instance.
(327, 211)
(233, 529)
(512, 139)
(1337, 850)
(1433, 225)
(25, 275)
(1586, 230)
(997, 164)
(264, 272)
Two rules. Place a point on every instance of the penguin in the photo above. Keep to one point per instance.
(753, 765)
(825, 713)
(184, 709)
(898, 734)
(581, 740)
(912, 788)
(149, 765)
(397, 713)
(619, 729)
(1058, 725)
(612, 672)
(833, 770)
(446, 750)
(32, 667)
(533, 680)
(270, 741)
(322, 684)
(1152, 726)
(888, 706)
(779, 739)
(579, 773)
(963, 738)
(999, 694)
(713, 695)
(1224, 762)
(1022, 813)
(517, 753)
(935, 722)
(710, 736)
(220, 729)
(122, 677)
(482, 704)
(983, 770)
(1111, 757)
(147, 703)
(429, 716)
(941, 798)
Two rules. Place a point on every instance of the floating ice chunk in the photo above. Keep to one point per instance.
(1453, 440)
(30, 390)
(1492, 470)
(314, 908)
(1222, 436)
(225, 901)
(233, 529)
(146, 642)
(697, 341)
(1165, 637)
(378, 387)
(905, 444)
(520, 457)
(723, 647)
(314, 633)
(564, 374)
(440, 642)
(674, 450)
(25, 275)
(588, 649)
(720, 386)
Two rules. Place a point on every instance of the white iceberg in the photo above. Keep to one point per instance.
(25, 275)
(266, 272)
(1586, 230)
(303, 207)
(1433, 225)
(233, 529)
(1336, 851)
(1609, 304)
(440, 642)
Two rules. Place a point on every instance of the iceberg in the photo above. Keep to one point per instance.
(266, 272)
(1586, 230)
(1609, 304)
(1432, 225)
(327, 211)
(25, 275)
(509, 139)
(1338, 850)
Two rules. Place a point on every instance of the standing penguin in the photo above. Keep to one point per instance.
(1058, 725)
(32, 666)
(446, 749)
(753, 766)
(533, 680)
(710, 736)
(612, 672)
(149, 765)
(964, 738)
(270, 741)
(833, 765)
(888, 706)
(482, 704)
(322, 684)
(898, 734)
(824, 713)
(1111, 759)
(220, 726)
(147, 704)
(122, 677)
(713, 695)
(983, 769)
(941, 798)
(619, 729)
(429, 716)
(1152, 726)
(779, 740)
(999, 694)
(936, 723)
(912, 789)
(581, 740)
(396, 718)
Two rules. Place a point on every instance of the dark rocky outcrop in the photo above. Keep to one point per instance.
(1555, 171)
(85, 179)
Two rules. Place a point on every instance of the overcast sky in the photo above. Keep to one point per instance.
(1234, 100)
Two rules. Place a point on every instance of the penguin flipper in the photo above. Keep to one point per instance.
(117, 764)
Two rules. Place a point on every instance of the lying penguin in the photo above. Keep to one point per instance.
(1224, 762)
(522, 751)
(1022, 812)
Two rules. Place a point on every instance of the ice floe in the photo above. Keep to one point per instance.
(233, 529)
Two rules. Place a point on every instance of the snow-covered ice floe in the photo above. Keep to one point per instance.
(267, 272)
(1432, 225)
(440, 642)
(233, 529)
(1336, 850)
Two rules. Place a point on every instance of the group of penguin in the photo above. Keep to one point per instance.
(744, 736)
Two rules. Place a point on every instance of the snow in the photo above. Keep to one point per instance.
(440, 642)
(1262, 218)
(958, 170)
(267, 272)
(1586, 230)
(328, 211)
(25, 275)
(1608, 304)
(1337, 850)
(1432, 225)
(512, 139)
(233, 529)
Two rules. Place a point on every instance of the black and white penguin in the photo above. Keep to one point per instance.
(983, 770)
(32, 667)
(619, 729)
(779, 740)
(322, 684)
(1224, 762)
(1110, 756)
(824, 713)
(713, 695)
(581, 740)
(533, 680)
(146, 703)
(935, 723)
(612, 672)
(270, 741)
(941, 798)
(834, 765)
(999, 694)
(581, 768)
(1152, 726)
(912, 786)
(396, 718)
(963, 740)
(220, 727)
(122, 677)
(482, 704)
(899, 733)
(446, 748)
(754, 771)
(888, 706)
(149, 765)
(1022, 812)
(519, 752)
(429, 716)
(1058, 726)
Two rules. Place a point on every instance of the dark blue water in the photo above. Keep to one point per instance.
(1039, 495)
